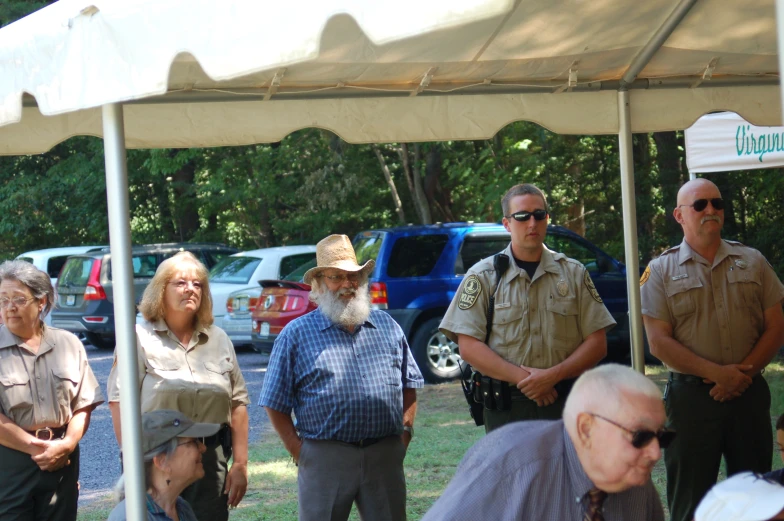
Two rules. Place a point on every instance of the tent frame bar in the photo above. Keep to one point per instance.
(124, 310)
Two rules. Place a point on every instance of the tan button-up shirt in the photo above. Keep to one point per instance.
(44, 389)
(716, 310)
(202, 380)
(537, 323)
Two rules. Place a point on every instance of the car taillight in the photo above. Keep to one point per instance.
(252, 303)
(94, 290)
(378, 295)
(230, 305)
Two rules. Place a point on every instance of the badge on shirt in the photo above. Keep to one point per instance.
(742, 264)
(471, 290)
(645, 275)
(591, 287)
(562, 288)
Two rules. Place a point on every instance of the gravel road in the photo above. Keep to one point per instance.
(100, 467)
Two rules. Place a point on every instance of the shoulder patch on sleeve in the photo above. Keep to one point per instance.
(645, 275)
(471, 290)
(591, 288)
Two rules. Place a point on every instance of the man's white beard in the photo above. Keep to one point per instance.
(346, 313)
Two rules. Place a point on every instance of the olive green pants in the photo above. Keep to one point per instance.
(706, 430)
(28, 493)
(206, 496)
(523, 408)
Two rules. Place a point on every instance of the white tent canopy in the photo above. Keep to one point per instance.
(182, 73)
(201, 73)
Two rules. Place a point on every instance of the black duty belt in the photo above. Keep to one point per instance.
(216, 439)
(687, 378)
(49, 433)
(367, 442)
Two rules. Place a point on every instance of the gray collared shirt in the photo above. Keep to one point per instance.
(530, 470)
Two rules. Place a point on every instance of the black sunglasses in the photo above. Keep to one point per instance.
(700, 204)
(642, 438)
(523, 216)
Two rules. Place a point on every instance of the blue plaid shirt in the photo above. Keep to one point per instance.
(341, 386)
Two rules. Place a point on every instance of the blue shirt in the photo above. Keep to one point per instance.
(154, 512)
(341, 386)
(530, 470)
(776, 475)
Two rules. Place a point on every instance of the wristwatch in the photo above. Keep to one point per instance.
(409, 429)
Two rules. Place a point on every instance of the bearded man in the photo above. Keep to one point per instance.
(346, 372)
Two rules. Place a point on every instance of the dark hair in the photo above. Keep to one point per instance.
(521, 189)
(780, 423)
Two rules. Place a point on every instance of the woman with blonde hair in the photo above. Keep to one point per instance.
(187, 364)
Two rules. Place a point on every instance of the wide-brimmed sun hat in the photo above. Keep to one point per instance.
(743, 497)
(336, 252)
(162, 425)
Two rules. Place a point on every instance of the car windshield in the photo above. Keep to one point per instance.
(297, 274)
(76, 272)
(234, 270)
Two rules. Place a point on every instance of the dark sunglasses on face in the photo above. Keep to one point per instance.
(523, 216)
(700, 204)
(641, 438)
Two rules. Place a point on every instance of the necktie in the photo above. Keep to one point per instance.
(595, 499)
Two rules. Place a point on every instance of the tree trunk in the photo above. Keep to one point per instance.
(187, 211)
(435, 192)
(414, 179)
(671, 177)
(391, 182)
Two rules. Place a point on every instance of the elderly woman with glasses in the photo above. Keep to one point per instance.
(47, 393)
(187, 364)
(173, 447)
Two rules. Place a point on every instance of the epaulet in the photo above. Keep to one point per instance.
(670, 250)
(735, 243)
(483, 265)
(573, 261)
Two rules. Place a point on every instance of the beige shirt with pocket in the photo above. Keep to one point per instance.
(202, 380)
(46, 388)
(715, 309)
(537, 323)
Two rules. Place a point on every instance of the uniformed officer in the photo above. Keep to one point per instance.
(188, 365)
(549, 323)
(47, 394)
(712, 313)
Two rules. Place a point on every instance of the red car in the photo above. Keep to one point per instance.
(280, 302)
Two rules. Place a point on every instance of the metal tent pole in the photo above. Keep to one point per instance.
(780, 33)
(124, 309)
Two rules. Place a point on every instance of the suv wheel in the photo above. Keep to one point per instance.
(437, 357)
(99, 341)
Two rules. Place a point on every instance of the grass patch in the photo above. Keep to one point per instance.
(444, 432)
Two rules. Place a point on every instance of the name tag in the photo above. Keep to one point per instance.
(681, 276)
(503, 305)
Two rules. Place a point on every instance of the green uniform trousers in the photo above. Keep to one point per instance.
(523, 408)
(706, 430)
(28, 493)
(206, 496)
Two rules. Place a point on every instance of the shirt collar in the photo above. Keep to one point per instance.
(160, 326)
(581, 483)
(323, 322)
(685, 252)
(547, 263)
(8, 339)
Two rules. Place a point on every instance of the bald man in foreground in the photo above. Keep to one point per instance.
(712, 313)
(594, 465)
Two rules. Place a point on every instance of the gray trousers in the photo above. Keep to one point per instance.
(333, 476)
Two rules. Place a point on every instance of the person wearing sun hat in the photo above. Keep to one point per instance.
(172, 446)
(347, 373)
(742, 497)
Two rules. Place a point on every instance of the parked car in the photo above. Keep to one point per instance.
(241, 272)
(280, 302)
(85, 285)
(52, 260)
(418, 270)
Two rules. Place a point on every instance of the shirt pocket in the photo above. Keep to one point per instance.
(16, 391)
(744, 287)
(220, 373)
(66, 381)
(681, 297)
(507, 334)
(563, 314)
(163, 366)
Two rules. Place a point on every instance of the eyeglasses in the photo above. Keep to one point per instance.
(523, 216)
(700, 204)
(195, 441)
(641, 438)
(340, 279)
(182, 285)
(18, 302)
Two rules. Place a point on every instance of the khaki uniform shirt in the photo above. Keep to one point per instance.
(44, 389)
(716, 310)
(537, 323)
(202, 380)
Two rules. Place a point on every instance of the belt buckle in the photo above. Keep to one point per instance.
(47, 430)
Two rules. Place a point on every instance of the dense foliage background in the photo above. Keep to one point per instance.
(312, 183)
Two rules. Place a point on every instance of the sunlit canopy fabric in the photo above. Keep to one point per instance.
(206, 73)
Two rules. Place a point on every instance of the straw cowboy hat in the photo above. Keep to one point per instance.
(336, 252)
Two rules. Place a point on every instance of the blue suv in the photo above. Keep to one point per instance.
(419, 268)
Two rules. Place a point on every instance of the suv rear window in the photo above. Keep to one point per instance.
(367, 247)
(234, 270)
(475, 249)
(415, 256)
(76, 272)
